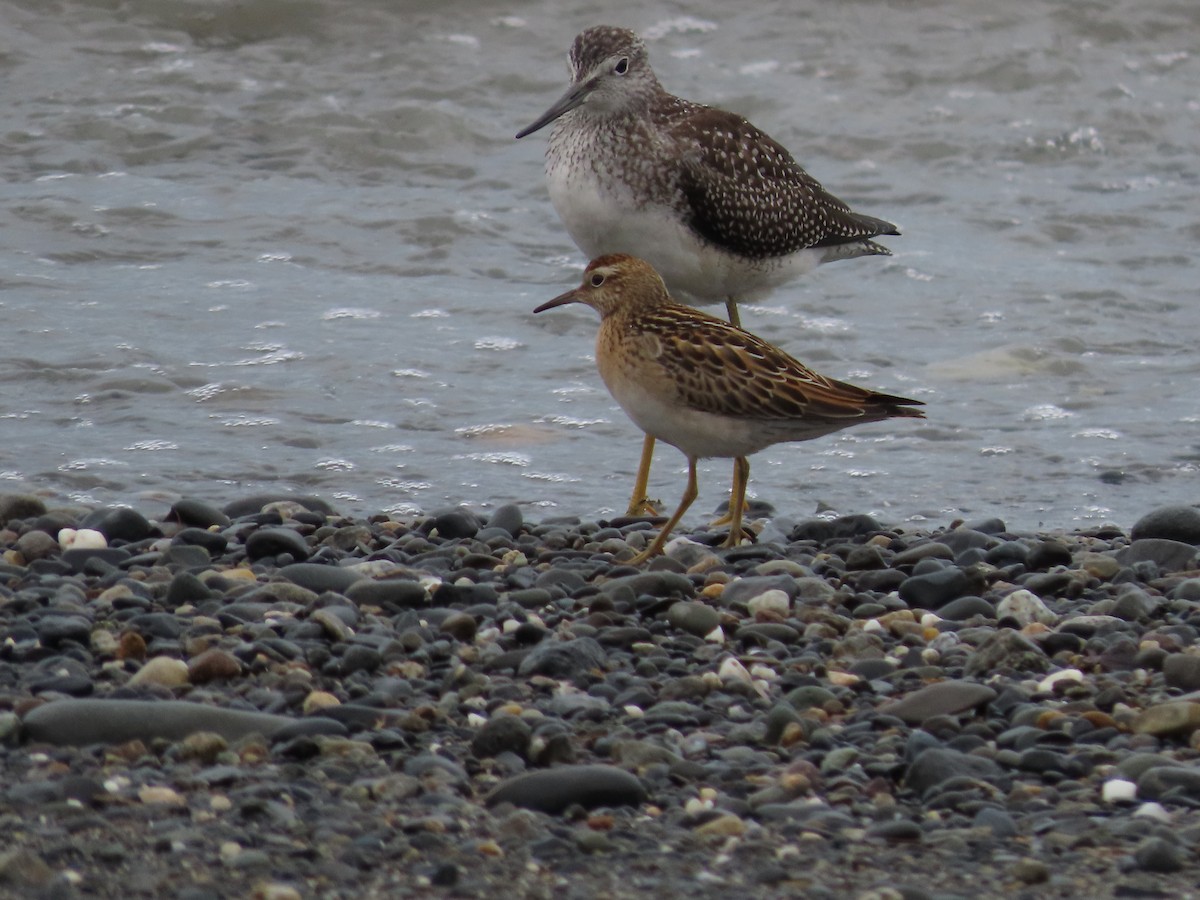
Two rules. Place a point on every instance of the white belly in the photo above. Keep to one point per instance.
(601, 220)
(696, 433)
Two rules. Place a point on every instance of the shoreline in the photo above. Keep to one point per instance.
(454, 706)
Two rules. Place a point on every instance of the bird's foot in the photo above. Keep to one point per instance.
(643, 507)
(735, 538)
(726, 518)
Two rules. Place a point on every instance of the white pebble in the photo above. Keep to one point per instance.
(1118, 790)
(930, 620)
(732, 670)
(773, 601)
(1026, 607)
(634, 712)
(1155, 811)
(716, 636)
(1046, 685)
(873, 626)
(475, 720)
(81, 539)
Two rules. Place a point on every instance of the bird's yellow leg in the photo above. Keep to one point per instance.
(736, 320)
(737, 500)
(689, 494)
(639, 503)
(727, 517)
(732, 310)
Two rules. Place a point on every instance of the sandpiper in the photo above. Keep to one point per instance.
(722, 211)
(706, 386)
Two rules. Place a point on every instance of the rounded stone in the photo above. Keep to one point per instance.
(1173, 523)
(212, 665)
(693, 617)
(552, 790)
(268, 542)
(1182, 670)
(163, 671)
(502, 733)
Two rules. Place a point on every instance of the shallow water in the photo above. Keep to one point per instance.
(293, 246)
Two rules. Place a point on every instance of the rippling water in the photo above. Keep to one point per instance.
(291, 245)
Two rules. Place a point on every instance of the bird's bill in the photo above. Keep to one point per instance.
(571, 296)
(567, 102)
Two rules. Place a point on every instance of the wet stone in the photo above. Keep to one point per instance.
(320, 578)
(1167, 555)
(197, 514)
(1172, 523)
(553, 790)
(693, 617)
(942, 698)
(80, 722)
(934, 590)
(119, 524)
(568, 660)
(272, 542)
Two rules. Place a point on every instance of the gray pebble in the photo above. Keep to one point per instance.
(553, 790)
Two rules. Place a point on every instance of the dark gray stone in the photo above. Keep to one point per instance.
(320, 578)
(553, 790)
(270, 542)
(566, 660)
(1172, 523)
(934, 590)
(83, 722)
(1168, 555)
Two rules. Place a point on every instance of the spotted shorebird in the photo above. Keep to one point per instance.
(706, 386)
(721, 210)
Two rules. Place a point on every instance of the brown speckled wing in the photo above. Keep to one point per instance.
(726, 371)
(747, 194)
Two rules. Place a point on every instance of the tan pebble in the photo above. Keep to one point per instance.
(793, 733)
(239, 573)
(116, 592)
(723, 826)
(220, 803)
(104, 643)
(319, 700)
(14, 558)
(160, 796)
(132, 646)
(1035, 628)
(1175, 717)
(601, 822)
(213, 664)
(333, 624)
(273, 891)
(843, 679)
(205, 746)
(491, 848)
(162, 670)
(1049, 719)
(712, 591)
(230, 850)
(1099, 719)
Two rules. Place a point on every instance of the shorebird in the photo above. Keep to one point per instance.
(722, 211)
(706, 386)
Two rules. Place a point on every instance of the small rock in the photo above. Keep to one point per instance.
(162, 670)
(553, 790)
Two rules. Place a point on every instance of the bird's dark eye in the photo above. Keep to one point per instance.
(622, 65)
(597, 279)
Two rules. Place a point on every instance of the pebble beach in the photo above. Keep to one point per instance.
(269, 699)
